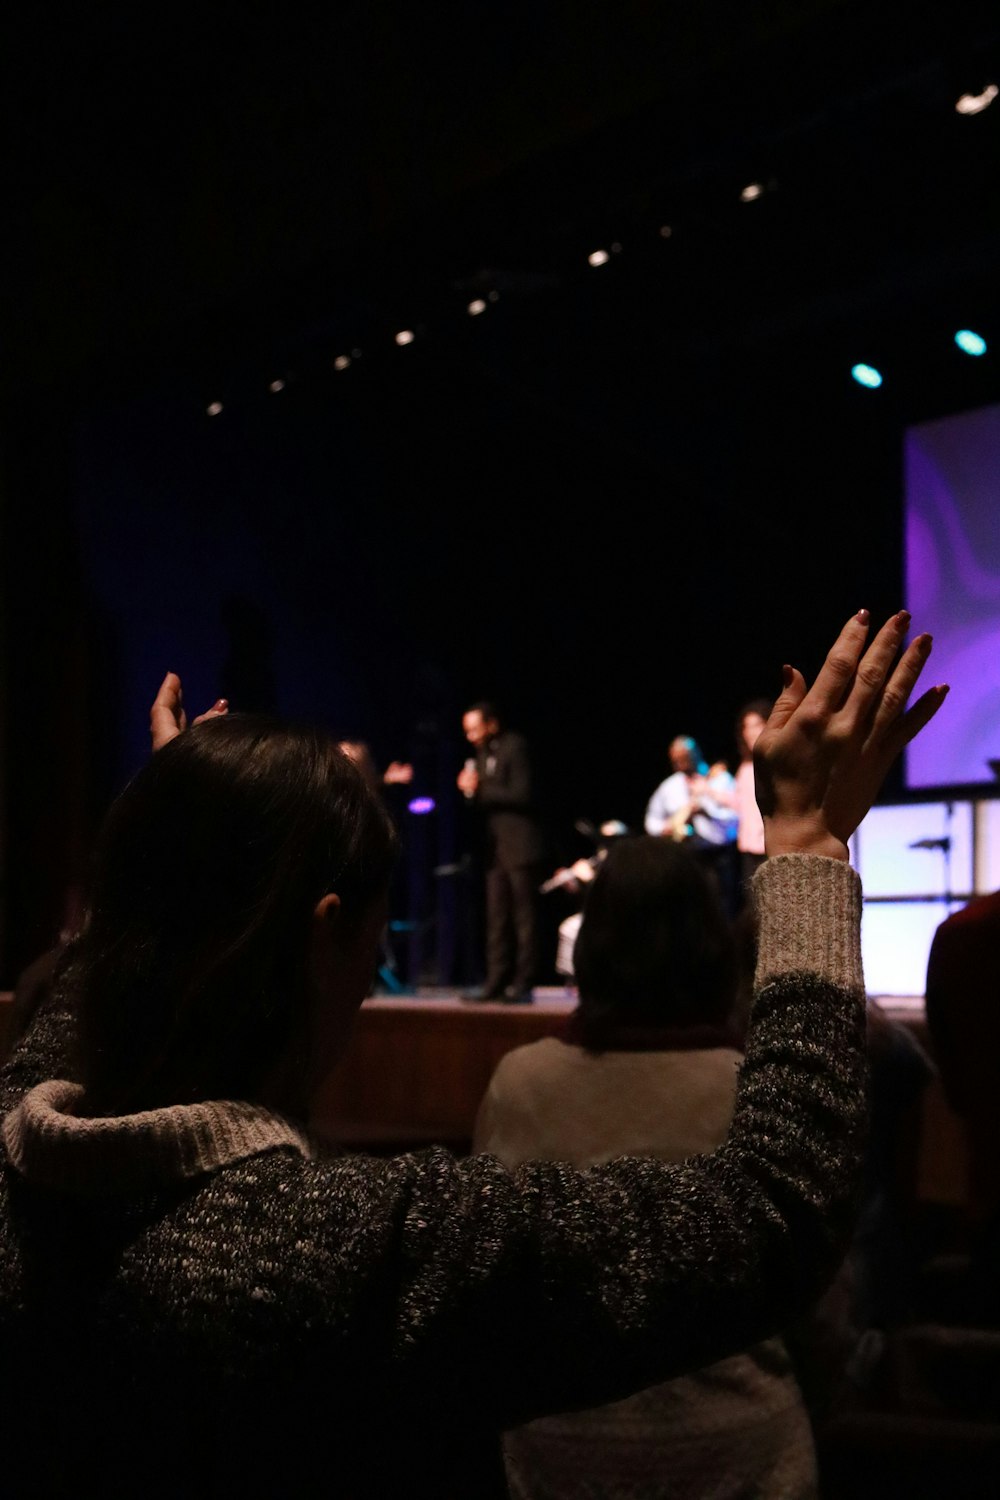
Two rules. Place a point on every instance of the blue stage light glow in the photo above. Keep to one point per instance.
(969, 342)
(867, 375)
(421, 805)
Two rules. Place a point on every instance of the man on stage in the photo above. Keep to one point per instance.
(499, 779)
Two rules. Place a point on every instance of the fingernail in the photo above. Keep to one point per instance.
(925, 642)
(903, 619)
(787, 675)
(862, 617)
(944, 688)
(221, 703)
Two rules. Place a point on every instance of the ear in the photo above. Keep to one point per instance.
(327, 908)
(326, 924)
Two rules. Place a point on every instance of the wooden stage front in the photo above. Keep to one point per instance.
(419, 1065)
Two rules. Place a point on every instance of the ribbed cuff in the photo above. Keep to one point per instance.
(809, 916)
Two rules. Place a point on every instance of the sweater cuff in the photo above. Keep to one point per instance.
(809, 919)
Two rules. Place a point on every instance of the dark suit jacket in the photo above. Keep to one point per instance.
(506, 795)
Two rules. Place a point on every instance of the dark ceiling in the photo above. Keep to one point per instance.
(197, 203)
(223, 183)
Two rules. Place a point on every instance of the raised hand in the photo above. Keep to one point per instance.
(167, 718)
(825, 751)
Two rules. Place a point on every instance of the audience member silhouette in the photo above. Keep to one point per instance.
(963, 1021)
(648, 1067)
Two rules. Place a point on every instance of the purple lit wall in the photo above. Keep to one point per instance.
(953, 588)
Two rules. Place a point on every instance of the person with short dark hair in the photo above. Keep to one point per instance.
(500, 780)
(198, 1297)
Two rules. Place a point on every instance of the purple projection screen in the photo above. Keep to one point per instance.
(952, 475)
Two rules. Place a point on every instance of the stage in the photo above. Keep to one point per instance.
(419, 1065)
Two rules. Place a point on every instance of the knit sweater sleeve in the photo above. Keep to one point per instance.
(584, 1286)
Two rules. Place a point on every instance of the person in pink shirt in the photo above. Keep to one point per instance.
(750, 827)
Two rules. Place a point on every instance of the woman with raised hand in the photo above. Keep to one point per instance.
(198, 1297)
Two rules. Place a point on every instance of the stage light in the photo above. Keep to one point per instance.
(419, 806)
(475, 307)
(974, 104)
(751, 191)
(342, 362)
(405, 336)
(214, 408)
(276, 386)
(969, 342)
(598, 258)
(665, 231)
(867, 376)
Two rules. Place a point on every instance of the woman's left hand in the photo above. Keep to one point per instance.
(167, 718)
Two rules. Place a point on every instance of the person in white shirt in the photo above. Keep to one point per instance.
(695, 806)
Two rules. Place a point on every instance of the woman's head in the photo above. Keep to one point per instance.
(749, 722)
(654, 947)
(237, 883)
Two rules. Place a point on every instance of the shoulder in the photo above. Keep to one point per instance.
(535, 1060)
(984, 911)
(980, 920)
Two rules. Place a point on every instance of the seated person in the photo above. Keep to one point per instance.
(648, 1066)
(197, 1297)
(963, 1021)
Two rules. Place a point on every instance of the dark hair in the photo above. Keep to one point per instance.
(762, 706)
(190, 971)
(654, 947)
(487, 709)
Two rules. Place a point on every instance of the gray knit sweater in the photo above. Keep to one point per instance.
(197, 1301)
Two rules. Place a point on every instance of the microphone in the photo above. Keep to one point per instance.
(470, 765)
(943, 844)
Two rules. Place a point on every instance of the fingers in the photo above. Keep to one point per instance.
(837, 672)
(792, 695)
(896, 693)
(169, 693)
(166, 716)
(218, 709)
(918, 715)
(867, 687)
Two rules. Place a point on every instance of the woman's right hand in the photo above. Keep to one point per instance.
(825, 751)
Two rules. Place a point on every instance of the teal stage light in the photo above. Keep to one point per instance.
(969, 342)
(867, 375)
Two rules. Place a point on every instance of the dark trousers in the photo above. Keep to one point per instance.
(511, 927)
